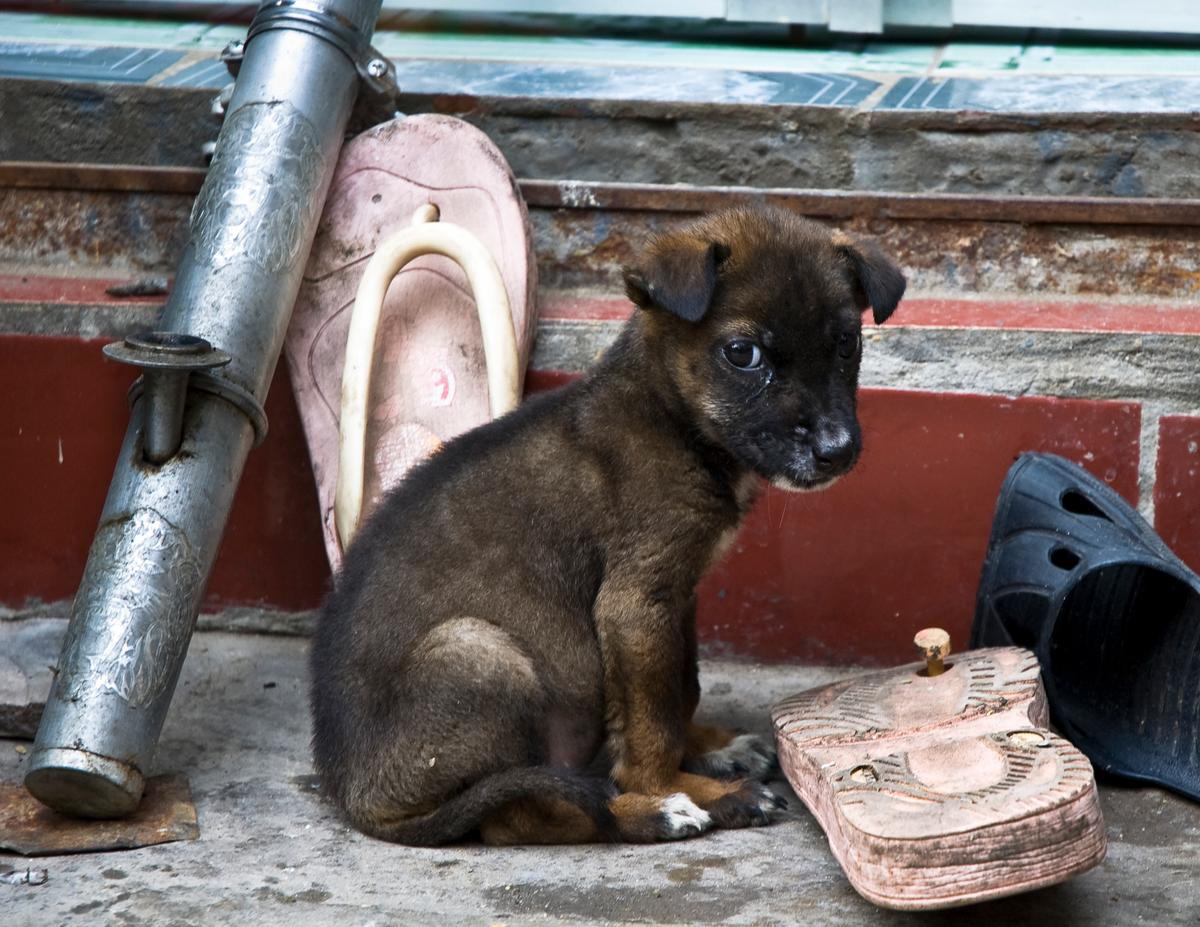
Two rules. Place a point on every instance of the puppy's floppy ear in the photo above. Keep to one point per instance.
(879, 282)
(678, 275)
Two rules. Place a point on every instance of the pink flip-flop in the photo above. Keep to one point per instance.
(940, 784)
(422, 368)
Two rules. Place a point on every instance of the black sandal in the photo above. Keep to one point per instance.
(1075, 574)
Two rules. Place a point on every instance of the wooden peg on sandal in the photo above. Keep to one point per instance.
(934, 645)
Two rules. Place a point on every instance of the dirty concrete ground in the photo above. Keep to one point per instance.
(272, 852)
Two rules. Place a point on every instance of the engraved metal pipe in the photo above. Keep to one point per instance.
(251, 229)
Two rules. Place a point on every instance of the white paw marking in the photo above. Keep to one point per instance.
(683, 817)
(747, 755)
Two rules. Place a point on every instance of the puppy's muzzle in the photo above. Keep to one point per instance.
(833, 449)
(834, 453)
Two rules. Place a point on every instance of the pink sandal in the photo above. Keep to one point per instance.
(410, 199)
(940, 784)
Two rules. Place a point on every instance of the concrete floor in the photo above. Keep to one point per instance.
(271, 851)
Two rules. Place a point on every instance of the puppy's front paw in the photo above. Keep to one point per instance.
(681, 817)
(748, 756)
(753, 805)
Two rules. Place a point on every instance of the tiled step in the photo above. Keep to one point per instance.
(1019, 118)
(1023, 330)
(705, 141)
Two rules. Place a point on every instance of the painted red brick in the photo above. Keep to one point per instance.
(850, 574)
(273, 551)
(538, 381)
(1177, 486)
(845, 575)
(61, 423)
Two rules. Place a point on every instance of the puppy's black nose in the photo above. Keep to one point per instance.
(833, 454)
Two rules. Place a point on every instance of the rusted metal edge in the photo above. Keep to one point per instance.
(1071, 210)
(644, 197)
(112, 178)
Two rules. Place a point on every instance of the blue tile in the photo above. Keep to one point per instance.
(913, 93)
(819, 89)
(1058, 94)
(74, 62)
(211, 72)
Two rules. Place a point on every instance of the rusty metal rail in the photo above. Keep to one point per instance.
(577, 194)
(110, 178)
(1071, 210)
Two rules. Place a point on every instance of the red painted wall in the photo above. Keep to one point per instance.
(61, 393)
(897, 545)
(844, 575)
(1177, 486)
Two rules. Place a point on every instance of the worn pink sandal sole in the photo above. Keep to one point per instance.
(937, 791)
(428, 378)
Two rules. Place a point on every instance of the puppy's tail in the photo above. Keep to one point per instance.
(463, 813)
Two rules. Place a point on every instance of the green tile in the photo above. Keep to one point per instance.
(1113, 60)
(976, 56)
(618, 52)
(86, 30)
(899, 56)
(220, 36)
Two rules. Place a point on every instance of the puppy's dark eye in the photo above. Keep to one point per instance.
(848, 344)
(745, 355)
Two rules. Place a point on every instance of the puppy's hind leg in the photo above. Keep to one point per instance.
(452, 735)
(541, 820)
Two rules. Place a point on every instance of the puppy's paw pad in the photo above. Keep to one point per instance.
(682, 817)
(753, 805)
(748, 756)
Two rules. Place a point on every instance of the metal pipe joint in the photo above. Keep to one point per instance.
(166, 360)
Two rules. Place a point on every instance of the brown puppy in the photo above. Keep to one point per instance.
(510, 648)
